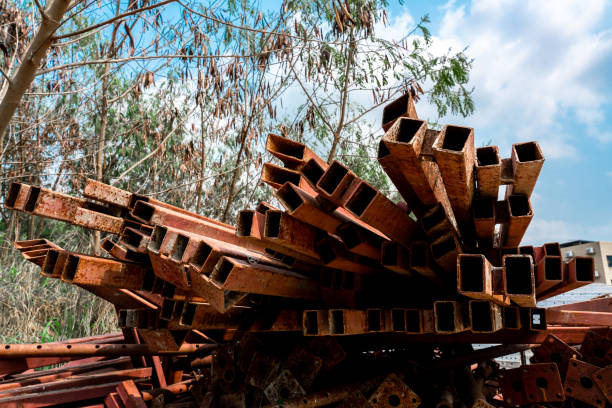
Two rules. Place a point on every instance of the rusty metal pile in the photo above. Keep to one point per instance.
(344, 298)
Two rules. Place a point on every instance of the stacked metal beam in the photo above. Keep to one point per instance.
(342, 261)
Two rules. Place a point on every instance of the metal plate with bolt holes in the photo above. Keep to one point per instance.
(603, 379)
(555, 350)
(262, 370)
(304, 366)
(223, 370)
(393, 392)
(596, 349)
(284, 387)
(532, 384)
(579, 384)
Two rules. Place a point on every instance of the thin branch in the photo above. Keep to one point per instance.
(4, 74)
(40, 8)
(148, 156)
(110, 20)
(314, 105)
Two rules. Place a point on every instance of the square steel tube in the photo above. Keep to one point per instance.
(520, 215)
(548, 273)
(275, 176)
(450, 317)
(527, 161)
(485, 316)
(483, 213)
(402, 107)
(374, 208)
(488, 171)
(294, 155)
(519, 279)
(396, 258)
(337, 183)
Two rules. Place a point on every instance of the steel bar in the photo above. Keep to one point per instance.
(290, 232)
(337, 184)
(85, 350)
(334, 254)
(374, 208)
(130, 395)
(420, 260)
(275, 176)
(445, 251)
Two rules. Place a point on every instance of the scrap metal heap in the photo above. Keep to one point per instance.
(345, 298)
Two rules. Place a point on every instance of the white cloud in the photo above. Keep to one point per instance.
(535, 65)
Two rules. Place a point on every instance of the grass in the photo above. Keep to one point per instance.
(39, 309)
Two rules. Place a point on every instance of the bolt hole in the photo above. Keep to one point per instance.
(69, 347)
(394, 400)
(39, 347)
(586, 382)
(541, 382)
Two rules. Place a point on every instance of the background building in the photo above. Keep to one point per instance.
(601, 253)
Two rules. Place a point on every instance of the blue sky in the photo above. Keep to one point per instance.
(542, 71)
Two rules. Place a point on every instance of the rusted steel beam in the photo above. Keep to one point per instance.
(52, 204)
(519, 279)
(578, 318)
(450, 317)
(485, 316)
(84, 350)
(294, 155)
(454, 154)
(396, 258)
(232, 279)
(600, 304)
(435, 222)
(402, 107)
(291, 233)
(122, 253)
(483, 213)
(527, 161)
(548, 273)
(307, 208)
(59, 397)
(334, 254)
(336, 184)
(374, 208)
(155, 214)
(391, 166)
(488, 171)
(17, 196)
(315, 323)
(511, 317)
(533, 318)
(130, 395)
(360, 240)
(520, 215)
(445, 251)
(251, 228)
(275, 176)
(79, 381)
(478, 279)
(343, 322)
(98, 271)
(420, 260)
(577, 272)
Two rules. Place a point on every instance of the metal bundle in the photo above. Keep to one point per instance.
(342, 266)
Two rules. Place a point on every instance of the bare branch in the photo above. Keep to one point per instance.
(40, 8)
(4, 74)
(113, 19)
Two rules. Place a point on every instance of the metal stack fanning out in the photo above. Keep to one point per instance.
(344, 298)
